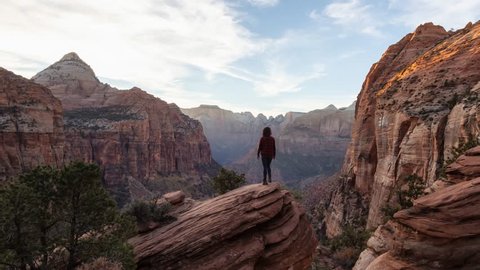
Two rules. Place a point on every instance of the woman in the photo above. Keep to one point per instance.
(267, 149)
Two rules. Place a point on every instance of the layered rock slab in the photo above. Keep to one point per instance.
(440, 231)
(253, 227)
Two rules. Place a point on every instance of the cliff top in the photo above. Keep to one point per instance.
(247, 227)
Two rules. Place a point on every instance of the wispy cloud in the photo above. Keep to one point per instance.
(264, 3)
(353, 15)
(278, 80)
(450, 14)
(153, 42)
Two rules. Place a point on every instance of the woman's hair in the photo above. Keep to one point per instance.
(267, 132)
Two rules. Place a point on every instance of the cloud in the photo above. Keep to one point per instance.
(277, 80)
(152, 42)
(264, 3)
(444, 12)
(353, 15)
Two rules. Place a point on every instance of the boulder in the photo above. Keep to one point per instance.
(253, 227)
(175, 197)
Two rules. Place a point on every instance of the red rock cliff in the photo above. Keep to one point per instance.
(139, 140)
(416, 103)
(31, 126)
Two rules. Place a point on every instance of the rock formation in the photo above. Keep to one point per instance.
(253, 227)
(417, 103)
(141, 143)
(441, 230)
(308, 144)
(31, 126)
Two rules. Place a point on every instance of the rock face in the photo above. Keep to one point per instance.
(441, 230)
(417, 103)
(141, 143)
(465, 167)
(31, 126)
(253, 227)
(308, 144)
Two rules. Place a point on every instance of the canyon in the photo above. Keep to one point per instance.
(142, 144)
(418, 106)
(309, 144)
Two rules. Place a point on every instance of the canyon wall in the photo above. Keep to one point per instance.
(417, 103)
(31, 126)
(142, 144)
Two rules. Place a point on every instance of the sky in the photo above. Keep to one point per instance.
(262, 56)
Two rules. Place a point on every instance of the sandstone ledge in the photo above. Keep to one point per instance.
(253, 227)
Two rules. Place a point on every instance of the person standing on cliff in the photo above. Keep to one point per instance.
(266, 148)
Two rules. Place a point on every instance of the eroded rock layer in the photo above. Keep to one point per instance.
(253, 227)
(440, 231)
(142, 143)
(31, 126)
(417, 103)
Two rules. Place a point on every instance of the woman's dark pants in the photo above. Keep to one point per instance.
(266, 161)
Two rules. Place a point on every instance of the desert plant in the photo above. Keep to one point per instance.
(227, 180)
(348, 245)
(415, 187)
(150, 211)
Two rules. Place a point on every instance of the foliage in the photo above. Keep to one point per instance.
(227, 180)
(415, 187)
(456, 152)
(146, 211)
(463, 146)
(349, 244)
(347, 256)
(59, 218)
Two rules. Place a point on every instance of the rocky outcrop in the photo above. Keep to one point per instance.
(417, 103)
(31, 126)
(440, 231)
(142, 143)
(253, 227)
(308, 144)
(467, 166)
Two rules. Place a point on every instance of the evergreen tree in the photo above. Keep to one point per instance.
(49, 215)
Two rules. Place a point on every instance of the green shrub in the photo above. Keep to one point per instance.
(415, 187)
(148, 211)
(405, 195)
(227, 180)
(456, 152)
(348, 245)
